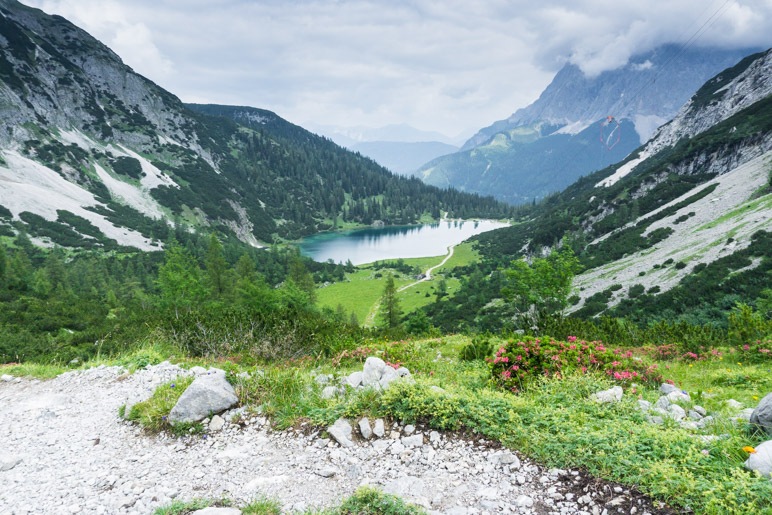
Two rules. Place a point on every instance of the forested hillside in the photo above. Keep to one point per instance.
(95, 155)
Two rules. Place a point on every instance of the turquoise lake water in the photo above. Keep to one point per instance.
(374, 244)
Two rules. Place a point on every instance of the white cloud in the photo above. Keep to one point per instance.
(445, 65)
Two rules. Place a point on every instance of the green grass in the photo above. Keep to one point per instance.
(34, 370)
(762, 203)
(365, 501)
(614, 442)
(361, 290)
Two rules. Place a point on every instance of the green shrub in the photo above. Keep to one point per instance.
(478, 348)
(152, 414)
(518, 363)
(370, 501)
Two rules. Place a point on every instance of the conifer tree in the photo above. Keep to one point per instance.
(391, 312)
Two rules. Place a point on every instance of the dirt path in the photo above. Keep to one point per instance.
(370, 319)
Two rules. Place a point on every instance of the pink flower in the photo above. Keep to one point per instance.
(746, 347)
(571, 339)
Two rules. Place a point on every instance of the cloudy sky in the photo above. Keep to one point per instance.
(442, 65)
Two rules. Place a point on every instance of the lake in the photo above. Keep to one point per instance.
(379, 243)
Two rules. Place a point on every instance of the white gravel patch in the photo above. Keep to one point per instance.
(26, 185)
(68, 452)
(702, 238)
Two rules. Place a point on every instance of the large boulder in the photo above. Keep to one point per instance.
(761, 460)
(762, 415)
(206, 395)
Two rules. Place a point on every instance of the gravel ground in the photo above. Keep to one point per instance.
(64, 450)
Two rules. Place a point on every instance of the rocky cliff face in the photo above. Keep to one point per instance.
(648, 91)
(55, 75)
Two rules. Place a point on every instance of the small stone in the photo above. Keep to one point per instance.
(217, 423)
(699, 409)
(354, 380)
(379, 429)
(6, 378)
(761, 460)
(409, 429)
(676, 412)
(434, 437)
(611, 395)
(644, 405)
(733, 404)
(8, 462)
(693, 415)
(678, 396)
(325, 472)
(328, 392)
(524, 501)
(745, 414)
(364, 428)
(413, 441)
(341, 432)
(666, 388)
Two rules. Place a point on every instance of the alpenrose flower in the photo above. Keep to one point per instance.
(518, 361)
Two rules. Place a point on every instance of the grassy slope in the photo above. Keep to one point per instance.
(361, 290)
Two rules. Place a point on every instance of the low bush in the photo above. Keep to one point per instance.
(519, 362)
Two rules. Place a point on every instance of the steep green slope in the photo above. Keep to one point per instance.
(527, 163)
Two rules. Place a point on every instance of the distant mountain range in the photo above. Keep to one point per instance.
(400, 147)
(546, 146)
(681, 230)
(94, 155)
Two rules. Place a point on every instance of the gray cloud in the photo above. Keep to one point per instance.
(448, 65)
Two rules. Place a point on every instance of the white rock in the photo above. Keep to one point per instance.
(733, 404)
(761, 460)
(613, 394)
(379, 429)
(666, 388)
(364, 428)
(6, 378)
(413, 441)
(354, 380)
(7, 462)
(217, 423)
(341, 432)
(524, 501)
(678, 396)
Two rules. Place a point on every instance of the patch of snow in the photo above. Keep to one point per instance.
(26, 185)
(130, 195)
(623, 170)
(573, 128)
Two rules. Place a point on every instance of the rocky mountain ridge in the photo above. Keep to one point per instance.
(562, 136)
(94, 155)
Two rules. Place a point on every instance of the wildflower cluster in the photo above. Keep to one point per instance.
(756, 352)
(517, 362)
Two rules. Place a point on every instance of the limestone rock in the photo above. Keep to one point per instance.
(364, 429)
(373, 370)
(734, 404)
(354, 380)
(676, 412)
(762, 415)
(6, 378)
(678, 396)
(207, 394)
(329, 392)
(611, 395)
(413, 441)
(7, 462)
(217, 423)
(341, 431)
(379, 430)
(761, 460)
(667, 388)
